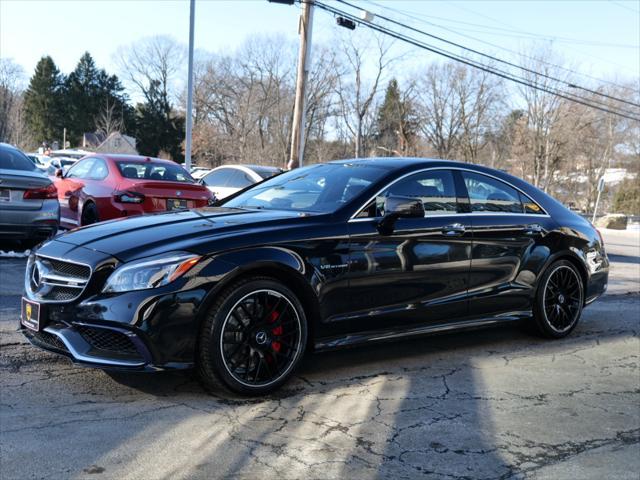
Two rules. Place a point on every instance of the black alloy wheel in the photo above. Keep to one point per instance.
(89, 214)
(559, 300)
(253, 338)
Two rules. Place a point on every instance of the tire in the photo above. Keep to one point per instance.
(252, 338)
(559, 300)
(89, 214)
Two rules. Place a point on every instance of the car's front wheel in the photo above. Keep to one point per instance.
(559, 300)
(252, 338)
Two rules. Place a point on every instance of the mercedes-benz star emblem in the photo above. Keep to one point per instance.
(40, 270)
(261, 338)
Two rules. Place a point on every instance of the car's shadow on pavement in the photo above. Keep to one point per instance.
(328, 364)
(319, 370)
(493, 403)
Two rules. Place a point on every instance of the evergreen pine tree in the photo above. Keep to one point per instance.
(395, 123)
(43, 105)
(157, 128)
(88, 92)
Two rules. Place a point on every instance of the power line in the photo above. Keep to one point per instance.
(496, 59)
(417, 17)
(466, 9)
(552, 37)
(622, 5)
(466, 61)
(514, 30)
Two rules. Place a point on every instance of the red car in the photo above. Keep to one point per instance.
(103, 187)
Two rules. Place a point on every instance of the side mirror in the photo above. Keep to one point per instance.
(399, 207)
(59, 173)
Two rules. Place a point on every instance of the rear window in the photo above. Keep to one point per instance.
(12, 159)
(154, 171)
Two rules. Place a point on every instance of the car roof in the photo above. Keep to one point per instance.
(396, 162)
(252, 167)
(121, 157)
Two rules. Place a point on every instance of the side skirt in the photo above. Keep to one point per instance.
(390, 335)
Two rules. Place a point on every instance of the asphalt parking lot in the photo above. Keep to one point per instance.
(488, 404)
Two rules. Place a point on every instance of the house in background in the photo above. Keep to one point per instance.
(114, 143)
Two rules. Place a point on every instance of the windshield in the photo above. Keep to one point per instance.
(154, 171)
(317, 188)
(12, 159)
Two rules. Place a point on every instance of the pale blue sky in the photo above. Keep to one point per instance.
(65, 29)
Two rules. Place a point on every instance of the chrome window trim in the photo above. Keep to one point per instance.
(31, 294)
(544, 214)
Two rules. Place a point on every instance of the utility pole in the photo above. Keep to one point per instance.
(595, 208)
(187, 147)
(305, 28)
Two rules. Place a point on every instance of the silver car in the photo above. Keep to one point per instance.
(29, 208)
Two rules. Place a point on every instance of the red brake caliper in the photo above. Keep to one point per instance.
(276, 331)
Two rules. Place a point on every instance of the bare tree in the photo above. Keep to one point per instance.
(439, 108)
(546, 115)
(152, 62)
(479, 98)
(11, 86)
(356, 95)
(108, 120)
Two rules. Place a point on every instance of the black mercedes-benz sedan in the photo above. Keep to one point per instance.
(324, 256)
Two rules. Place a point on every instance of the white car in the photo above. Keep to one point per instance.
(60, 163)
(199, 172)
(40, 161)
(228, 179)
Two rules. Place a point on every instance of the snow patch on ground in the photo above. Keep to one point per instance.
(12, 254)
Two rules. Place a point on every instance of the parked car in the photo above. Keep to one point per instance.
(60, 163)
(229, 179)
(104, 187)
(384, 249)
(40, 161)
(28, 199)
(199, 172)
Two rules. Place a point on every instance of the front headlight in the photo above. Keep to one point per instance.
(150, 272)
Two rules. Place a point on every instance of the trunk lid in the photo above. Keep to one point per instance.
(164, 189)
(16, 182)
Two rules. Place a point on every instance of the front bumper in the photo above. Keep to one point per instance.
(132, 331)
(148, 330)
(69, 341)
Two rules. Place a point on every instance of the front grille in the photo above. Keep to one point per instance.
(71, 269)
(62, 294)
(47, 340)
(109, 340)
(56, 280)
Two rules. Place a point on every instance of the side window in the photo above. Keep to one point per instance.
(218, 178)
(99, 170)
(436, 189)
(238, 179)
(530, 206)
(81, 169)
(490, 195)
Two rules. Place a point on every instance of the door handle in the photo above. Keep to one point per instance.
(533, 229)
(453, 230)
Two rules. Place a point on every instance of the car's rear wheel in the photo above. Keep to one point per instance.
(253, 337)
(89, 214)
(559, 300)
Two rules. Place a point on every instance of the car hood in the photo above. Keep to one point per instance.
(188, 230)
